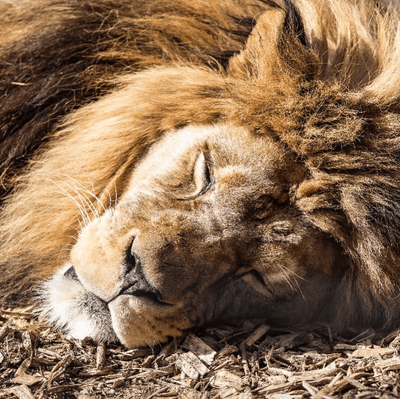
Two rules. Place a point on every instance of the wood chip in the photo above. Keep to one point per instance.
(312, 390)
(191, 365)
(279, 371)
(148, 361)
(285, 371)
(275, 388)
(22, 392)
(388, 364)
(133, 354)
(118, 382)
(324, 392)
(161, 390)
(49, 353)
(23, 367)
(256, 335)
(245, 363)
(63, 388)
(355, 383)
(224, 378)
(232, 393)
(199, 348)
(169, 349)
(27, 341)
(326, 371)
(367, 352)
(59, 369)
(101, 355)
(96, 372)
(42, 361)
(27, 379)
(344, 347)
(227, 350)
(4, 331)
(344, 383)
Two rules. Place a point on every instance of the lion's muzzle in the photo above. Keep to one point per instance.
(135, 282)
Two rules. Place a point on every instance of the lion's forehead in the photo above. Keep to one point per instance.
(238, 158)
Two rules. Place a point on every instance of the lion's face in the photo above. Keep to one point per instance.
(205, 232)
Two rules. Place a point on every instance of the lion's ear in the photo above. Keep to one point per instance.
(276, 47)
(261, 45)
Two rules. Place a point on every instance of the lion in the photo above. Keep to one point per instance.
(172, 164)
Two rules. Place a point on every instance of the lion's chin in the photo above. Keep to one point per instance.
(138, 322)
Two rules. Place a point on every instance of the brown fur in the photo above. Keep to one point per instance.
(317, 82)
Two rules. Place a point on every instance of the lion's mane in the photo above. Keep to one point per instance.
(321, 77)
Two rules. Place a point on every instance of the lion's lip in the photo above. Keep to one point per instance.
(154, 296)
(137, 284)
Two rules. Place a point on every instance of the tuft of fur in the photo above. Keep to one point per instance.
(320, 77)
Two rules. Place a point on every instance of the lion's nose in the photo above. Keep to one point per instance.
(135, 281)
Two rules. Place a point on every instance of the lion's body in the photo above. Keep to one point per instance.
(198, 173)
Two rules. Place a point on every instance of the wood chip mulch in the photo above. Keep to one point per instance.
(209, 363)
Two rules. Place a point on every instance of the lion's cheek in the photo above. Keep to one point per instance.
(136, 323)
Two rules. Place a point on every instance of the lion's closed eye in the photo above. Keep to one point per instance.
(201, 178)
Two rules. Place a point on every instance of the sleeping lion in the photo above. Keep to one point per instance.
(170, 164)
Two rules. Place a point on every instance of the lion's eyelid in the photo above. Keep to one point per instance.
(201, 175)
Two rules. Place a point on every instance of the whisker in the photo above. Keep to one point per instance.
(82, 211)
(286, 270)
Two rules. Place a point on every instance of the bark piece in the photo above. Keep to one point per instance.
(199, 348)
(224, 378)
(367, 352)
(191, 365)
(388, 364)
(256, 335)
(4, 331)
(22, 392)
(101, 355)
(27, 379)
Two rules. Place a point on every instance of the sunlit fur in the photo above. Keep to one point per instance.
(320, 79)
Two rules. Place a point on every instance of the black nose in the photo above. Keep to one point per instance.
(135, 275)
(135, 281)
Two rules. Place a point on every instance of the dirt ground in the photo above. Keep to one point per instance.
(218, 363)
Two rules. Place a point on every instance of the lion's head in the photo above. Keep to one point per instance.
(200, 191)
(205, 232)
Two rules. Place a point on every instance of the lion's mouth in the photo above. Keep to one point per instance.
(154, 296)
(139, 288)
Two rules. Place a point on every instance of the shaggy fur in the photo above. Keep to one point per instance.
(320, 78)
